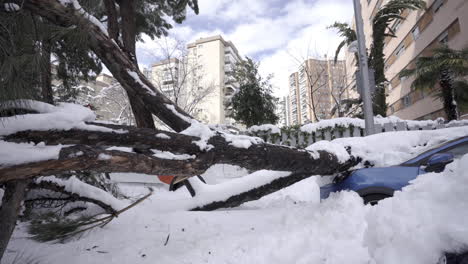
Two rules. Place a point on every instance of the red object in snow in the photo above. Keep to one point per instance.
(167, 179)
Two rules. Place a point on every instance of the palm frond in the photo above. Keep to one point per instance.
(338, 49)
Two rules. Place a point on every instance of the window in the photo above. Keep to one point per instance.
(415, 32)
(459, 151)
(368, 1)
(400, 49)
(406, 100)
(443, 38)
(200, 46)
(437, 5)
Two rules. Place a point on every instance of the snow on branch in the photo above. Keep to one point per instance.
(81, 11)
(64, 116)
(79, 190)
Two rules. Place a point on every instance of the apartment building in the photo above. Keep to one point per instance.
(217, 58)
(283, 111)
(316, 89)
(200, 81)
(443, 22)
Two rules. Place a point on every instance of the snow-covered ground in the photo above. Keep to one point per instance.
(290, 226)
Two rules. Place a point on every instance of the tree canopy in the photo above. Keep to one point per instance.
(253, 103)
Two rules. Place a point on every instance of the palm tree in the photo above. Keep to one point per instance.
(349, 35)
(389, 13)
(447, 67)
(380, 29)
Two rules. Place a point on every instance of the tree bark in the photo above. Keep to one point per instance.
(46, 72)
(116, 60)
(112, 21)
(446, 85)
(143, 117)
(256, 157)
(9, 210)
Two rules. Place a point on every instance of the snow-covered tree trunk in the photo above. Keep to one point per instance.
(9, 210)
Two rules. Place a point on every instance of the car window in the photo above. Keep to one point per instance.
(458, 151)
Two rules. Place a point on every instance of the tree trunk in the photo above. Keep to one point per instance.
(143, 117)
(377, 62)
(142, 141)
(116, 60)
(450, 106)
(46, 73)
(9, 210)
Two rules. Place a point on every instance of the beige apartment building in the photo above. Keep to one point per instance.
(200, 80)
(443, 22)
(316, 89)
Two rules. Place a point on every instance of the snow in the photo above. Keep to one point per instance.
(201, 131)
(339, 151)
(103, 156)
(241, 141)
(163, 136)
(92, 19)
(124, 149)
(346, 122)
(169, 155)
(390, 148)
(11, 7)
(64, 116)
(426, 218)
(267, 128)
(74, 185)
(18, 153)
(138, 80)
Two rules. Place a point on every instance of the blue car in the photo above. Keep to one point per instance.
(374, 184)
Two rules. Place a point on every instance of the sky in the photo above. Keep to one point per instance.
(277, 33)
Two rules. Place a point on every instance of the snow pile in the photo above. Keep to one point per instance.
(427, 218)
(201, 131)
(74, 185)
(346, 122)
(391, 148)
(421, 222)
(339, 151)
(219, 173)
(265, 128)
(332, 123)
(241, 141)
(64, 116)
(18, 153)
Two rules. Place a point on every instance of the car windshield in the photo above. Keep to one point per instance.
(433, 149)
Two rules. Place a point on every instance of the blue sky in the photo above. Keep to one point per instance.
(278, 33)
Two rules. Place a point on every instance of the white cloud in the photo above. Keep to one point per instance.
(298, 30)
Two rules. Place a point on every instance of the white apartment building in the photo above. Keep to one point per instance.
(199, 82)
(216, 58)
(443, 21)
(284, 112)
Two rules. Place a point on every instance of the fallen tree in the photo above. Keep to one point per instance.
(75, 146)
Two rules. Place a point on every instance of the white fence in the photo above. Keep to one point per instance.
(307, 134)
